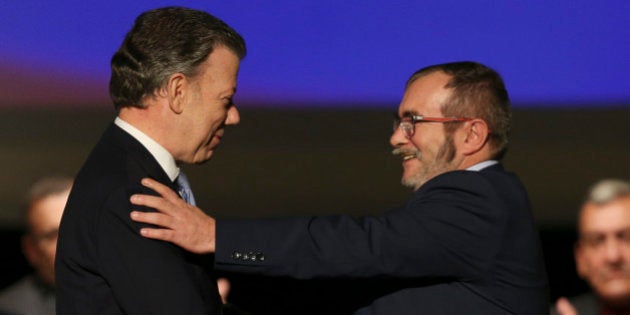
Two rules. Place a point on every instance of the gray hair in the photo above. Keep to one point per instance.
(43, 188)
(607, 190)
(48, 186)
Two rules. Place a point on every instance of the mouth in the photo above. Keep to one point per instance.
(408, 157)
(214, 141)
(614, 274)
(219, 134)
(617, 275)
(406, 154)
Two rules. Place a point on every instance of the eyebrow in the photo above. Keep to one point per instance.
(409, 113)
(619, 230)
(228, 92)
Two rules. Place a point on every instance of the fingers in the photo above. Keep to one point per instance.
(176, 221)
(158, 234)
(154, 218)
(564, 307)
(160, 188)
(223, 285)
(161, 204)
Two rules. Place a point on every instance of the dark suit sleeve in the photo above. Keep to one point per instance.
(449, 229)
(147, 276)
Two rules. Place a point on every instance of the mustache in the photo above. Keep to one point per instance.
(405, 152)
(605, 273)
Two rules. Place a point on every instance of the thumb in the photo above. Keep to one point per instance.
(564, 307)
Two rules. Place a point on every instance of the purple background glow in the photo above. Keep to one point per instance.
(327, 52)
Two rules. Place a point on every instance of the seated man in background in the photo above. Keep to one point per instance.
(34, 294)
(602, 252)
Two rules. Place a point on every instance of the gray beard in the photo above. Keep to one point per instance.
(441, 164)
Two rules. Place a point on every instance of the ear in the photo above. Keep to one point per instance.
(177, 91)
(580, 262)
(474, 136)
(29, 249)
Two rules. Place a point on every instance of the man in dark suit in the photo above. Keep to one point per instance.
(464, 243)
(172, 83)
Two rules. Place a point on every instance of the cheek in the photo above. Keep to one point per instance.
(425, 142)
(50, 250)
(202, 130)
(583, 264)
(210, 131)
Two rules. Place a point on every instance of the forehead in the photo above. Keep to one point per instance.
(46, 212)
(426, 95)
(612, 216)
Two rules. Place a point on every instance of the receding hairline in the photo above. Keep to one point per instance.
(423, 73)
(45, 188)
(602, 194)
(607, 190)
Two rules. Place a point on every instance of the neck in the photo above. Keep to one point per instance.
(468, 161)
(152, 121)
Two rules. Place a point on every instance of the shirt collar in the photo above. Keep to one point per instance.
(482, 165)
(163, 157)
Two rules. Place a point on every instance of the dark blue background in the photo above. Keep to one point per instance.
(568, 53)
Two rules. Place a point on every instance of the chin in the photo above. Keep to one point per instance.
(203, 159)
(411, 182)
(616, 292)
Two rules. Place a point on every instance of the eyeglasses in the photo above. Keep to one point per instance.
(407, 123)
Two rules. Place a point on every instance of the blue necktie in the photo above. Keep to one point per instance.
(184, 189)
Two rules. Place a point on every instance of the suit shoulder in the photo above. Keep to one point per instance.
(460, 179)
(498, 188)
(116, 158)
(491, 178)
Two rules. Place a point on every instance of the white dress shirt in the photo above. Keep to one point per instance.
(163, 157)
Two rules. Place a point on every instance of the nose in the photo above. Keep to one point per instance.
(398, 137)
(233, 116)
(613, 250)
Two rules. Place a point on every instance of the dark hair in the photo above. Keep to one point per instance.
(163, 42)
(478, 92)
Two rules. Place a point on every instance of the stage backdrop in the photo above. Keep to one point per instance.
(329, 53)
(316, 92)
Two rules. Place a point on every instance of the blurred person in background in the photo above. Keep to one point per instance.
(602, 252)
(35, 293)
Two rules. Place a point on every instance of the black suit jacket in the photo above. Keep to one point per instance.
(465, 243)
(103, 265)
